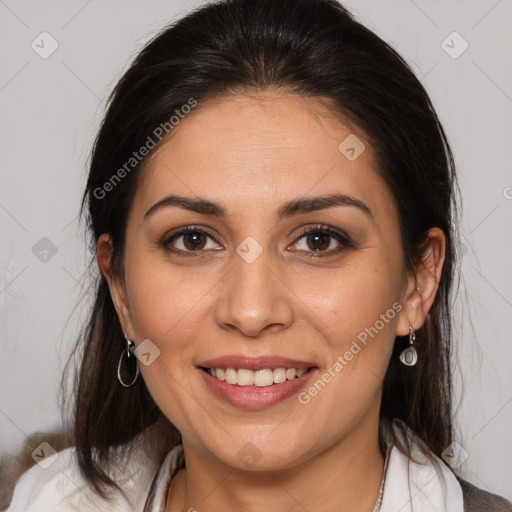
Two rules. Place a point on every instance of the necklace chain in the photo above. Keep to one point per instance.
(378, 503)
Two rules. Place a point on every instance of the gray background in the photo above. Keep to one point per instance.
(51, 109)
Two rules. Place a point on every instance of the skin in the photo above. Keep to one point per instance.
(252, 153)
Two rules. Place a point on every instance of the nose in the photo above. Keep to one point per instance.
(254, 298)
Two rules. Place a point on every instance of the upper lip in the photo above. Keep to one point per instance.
(254, 363)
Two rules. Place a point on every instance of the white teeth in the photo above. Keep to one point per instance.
(231, 376)
(261, 378)
(290, 373)
(279, 375)
(245, 377)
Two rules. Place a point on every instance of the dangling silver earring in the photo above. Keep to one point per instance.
(130, 348)
(409, 356)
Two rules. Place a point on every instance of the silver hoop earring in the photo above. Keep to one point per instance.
(130, 348)
(409, 356)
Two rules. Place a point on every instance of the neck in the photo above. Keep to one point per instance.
(346, 477)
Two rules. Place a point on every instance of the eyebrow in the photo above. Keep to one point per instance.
(289, 209)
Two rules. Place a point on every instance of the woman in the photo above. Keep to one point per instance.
(271, 203)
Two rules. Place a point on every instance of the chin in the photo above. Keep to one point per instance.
(259, 454)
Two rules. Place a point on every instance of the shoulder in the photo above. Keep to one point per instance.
(54, 484)
(430, 480)
(57, 484)
(478, 500)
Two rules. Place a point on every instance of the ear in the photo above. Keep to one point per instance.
(104, 253)
(423, 283)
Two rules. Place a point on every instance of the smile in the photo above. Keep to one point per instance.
(255, 389)
(261, 378)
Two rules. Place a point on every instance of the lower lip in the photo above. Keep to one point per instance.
(255, 397)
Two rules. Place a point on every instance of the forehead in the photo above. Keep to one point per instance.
(255, 151)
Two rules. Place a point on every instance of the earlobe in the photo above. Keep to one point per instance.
(423, 284)
(104, 253)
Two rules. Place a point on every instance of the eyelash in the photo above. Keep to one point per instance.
(341, 237)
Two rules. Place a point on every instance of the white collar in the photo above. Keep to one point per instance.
(420, 487)
(409, 486)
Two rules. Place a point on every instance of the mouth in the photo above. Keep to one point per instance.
(255, 383)
(261, 378)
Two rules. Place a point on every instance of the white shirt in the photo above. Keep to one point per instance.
(409, 486)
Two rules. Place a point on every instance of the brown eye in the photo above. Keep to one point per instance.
(194, 240)
(318, 241)
(189, 241)
(322, 241)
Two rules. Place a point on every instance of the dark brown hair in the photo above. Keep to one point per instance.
(314, 48)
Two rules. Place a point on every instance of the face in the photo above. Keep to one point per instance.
(265, 281)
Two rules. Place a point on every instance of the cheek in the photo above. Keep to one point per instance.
(168, 307)
(164, 301)
(355, 309)
(351, 298)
